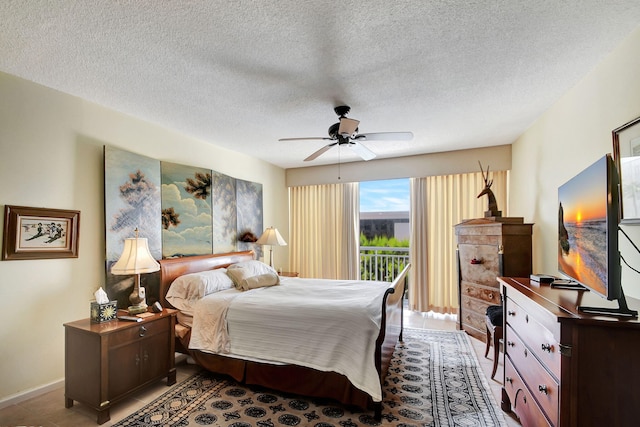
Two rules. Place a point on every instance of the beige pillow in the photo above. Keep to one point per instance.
(245, 279)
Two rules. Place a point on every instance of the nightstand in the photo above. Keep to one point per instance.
(106, 362)
(288, 274)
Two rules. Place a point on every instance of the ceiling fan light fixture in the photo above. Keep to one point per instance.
(348, 127)
(345, 132)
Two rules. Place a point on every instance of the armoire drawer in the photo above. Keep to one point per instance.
(479, 263)
(491, 295)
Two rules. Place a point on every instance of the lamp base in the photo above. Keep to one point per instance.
(137, 309)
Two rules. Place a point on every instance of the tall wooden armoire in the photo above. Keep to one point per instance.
(488, 248)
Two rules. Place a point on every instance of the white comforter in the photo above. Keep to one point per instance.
(326, 325)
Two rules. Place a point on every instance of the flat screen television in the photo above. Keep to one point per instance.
(588, 215)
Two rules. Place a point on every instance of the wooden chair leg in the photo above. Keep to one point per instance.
(486, 350)
(497, 336)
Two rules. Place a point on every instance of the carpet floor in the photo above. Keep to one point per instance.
(434, 380)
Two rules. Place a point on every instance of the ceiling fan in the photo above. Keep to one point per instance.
(345, 132)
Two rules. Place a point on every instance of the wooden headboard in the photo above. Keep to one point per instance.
(172, 268)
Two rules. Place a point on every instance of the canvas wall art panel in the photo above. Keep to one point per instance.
(225, 217)
(132, 201)
(186, 210)
(249, 205)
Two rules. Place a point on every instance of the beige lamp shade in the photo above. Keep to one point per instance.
(271, 237)
(135, 259)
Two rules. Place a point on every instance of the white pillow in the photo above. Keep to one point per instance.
(187, 289)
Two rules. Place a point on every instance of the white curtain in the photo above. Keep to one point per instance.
(324, 231)
(437, 204)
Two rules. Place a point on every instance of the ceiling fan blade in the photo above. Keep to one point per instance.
(319, 152)
(309, 138)
(386, 136)
(362, 151)
(348, 126)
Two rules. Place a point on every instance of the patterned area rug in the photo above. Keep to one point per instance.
(434, 380)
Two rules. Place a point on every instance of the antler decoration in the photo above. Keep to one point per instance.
(492, 209)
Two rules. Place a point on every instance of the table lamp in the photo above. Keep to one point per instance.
(271, 237)
(135, 259)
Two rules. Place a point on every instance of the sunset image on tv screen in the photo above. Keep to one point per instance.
(582, 227)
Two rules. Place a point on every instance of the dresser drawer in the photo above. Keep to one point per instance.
(522, 403)
(538, 338)
(138, 331)
(539, 381)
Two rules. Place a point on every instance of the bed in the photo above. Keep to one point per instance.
(295, 377)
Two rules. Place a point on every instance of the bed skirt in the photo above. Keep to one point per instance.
(285, 378)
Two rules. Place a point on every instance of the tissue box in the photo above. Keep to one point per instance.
(103, 312)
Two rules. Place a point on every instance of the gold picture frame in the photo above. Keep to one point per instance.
(39, 233)
(626, 152)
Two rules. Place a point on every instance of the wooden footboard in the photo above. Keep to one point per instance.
(390, 328)
(291, 378)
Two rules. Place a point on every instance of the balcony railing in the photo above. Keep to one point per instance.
(382, 263)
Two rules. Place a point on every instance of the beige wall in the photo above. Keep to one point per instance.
(51, 156)
(570, 136)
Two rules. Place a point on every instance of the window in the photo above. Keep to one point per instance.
(384, 209)
(384, 228)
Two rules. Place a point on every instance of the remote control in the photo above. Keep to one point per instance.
(130, 318)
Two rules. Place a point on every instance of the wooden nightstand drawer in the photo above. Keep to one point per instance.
(136, 331)
(288, 274)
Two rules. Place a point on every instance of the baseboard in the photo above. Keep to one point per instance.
(31, 393)
(46, 388)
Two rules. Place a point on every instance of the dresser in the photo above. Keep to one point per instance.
(566, 368)
(106, 362)
(488, 248)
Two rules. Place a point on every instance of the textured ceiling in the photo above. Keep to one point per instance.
(242, 74)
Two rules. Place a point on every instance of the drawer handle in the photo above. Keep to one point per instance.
(543, 389)
(490, 296)
(511, 313)
(526, 318)
(547, 347)
(143, 331)
(511, 343)
(137, 359)
(475, 261)
(509, 380)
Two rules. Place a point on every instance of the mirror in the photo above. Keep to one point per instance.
(626, 152)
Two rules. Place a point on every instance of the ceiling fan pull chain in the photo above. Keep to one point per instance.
(339, 152)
